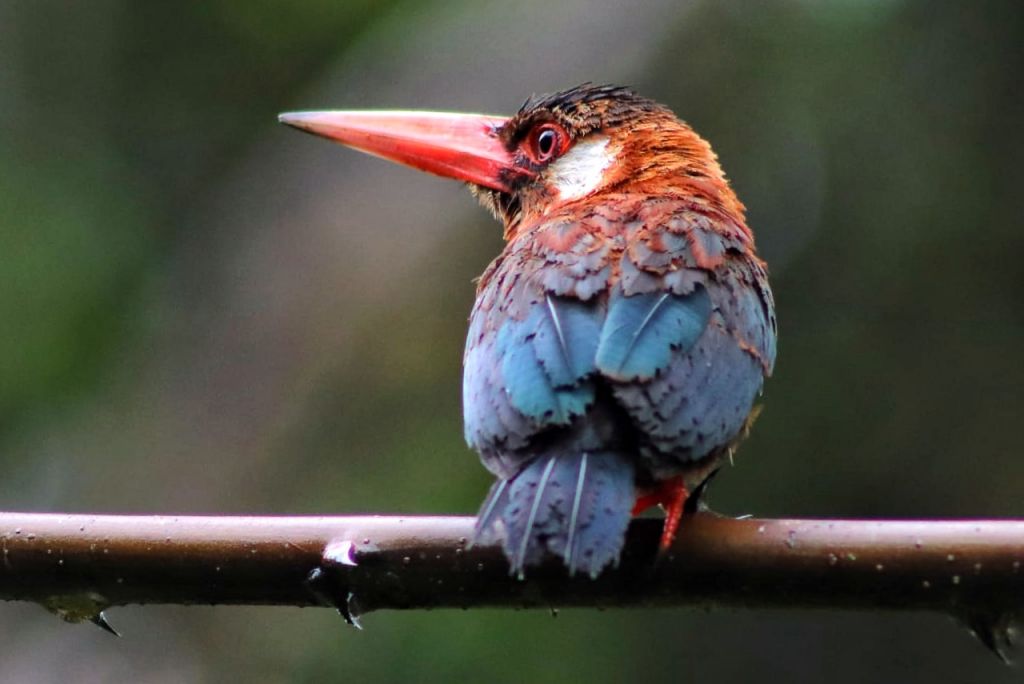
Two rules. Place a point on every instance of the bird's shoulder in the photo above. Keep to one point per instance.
(640, 243)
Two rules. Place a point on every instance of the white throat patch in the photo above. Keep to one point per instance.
(579, 171)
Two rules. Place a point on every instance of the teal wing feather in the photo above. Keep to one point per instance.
(641, 332)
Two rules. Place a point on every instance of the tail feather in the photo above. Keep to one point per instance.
(574, 516)
(576, 506)
(538, 497)
(496, 500)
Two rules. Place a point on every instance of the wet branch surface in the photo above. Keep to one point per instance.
(76, 565)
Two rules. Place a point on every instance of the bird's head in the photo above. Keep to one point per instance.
(573, 146)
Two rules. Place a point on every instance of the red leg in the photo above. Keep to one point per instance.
(677, 496)
(671, 494)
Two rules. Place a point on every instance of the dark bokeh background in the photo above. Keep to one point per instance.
(201, 311)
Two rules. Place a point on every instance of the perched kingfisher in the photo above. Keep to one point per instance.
(620, 339)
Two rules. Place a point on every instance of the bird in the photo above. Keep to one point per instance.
(619, 342)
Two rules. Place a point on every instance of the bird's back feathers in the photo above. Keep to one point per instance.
(633, 354)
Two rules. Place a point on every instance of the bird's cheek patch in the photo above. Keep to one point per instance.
(580, 171)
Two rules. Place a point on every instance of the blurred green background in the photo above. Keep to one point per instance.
(203, 311)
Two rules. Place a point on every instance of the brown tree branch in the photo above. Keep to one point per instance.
(77, 565)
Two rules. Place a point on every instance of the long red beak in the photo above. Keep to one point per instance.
(461, 146)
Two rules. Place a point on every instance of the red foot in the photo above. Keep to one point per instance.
(671, 494)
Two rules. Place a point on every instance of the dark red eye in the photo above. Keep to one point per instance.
(546, 142)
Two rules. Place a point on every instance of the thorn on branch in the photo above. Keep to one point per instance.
(329, 581)
(100, 620)
(998, 632)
